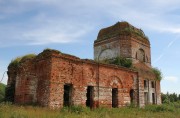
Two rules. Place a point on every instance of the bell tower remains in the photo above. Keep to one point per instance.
(122, 40)
(126, 41)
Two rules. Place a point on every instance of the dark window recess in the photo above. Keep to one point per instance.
(89, 95)
(145, 84)
(136, 55)
(114, 97)
(145, 98)
(153, 98)
(147, 58)
(152, 85)
(132, 95)
(67, 95)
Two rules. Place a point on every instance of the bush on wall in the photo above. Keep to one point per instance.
(120, 61)
(158, 73)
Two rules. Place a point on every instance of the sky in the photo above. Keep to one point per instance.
(71, 26)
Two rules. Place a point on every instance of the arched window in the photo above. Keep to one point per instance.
(140, 55)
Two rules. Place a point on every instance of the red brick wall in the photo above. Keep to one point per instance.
(32, 81)
(24, 92)
(83, 73)
(125, 46)
(41, 81)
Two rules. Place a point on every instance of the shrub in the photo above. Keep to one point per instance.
(160, 108)
(177, 104)
(120, 61)
(158, 73)
(9, 94)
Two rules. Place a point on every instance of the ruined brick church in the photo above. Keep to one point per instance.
(54, 79)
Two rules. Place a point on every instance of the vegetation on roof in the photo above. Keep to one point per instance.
(15, 62)
(28, 56)
(49, 50)
(137, 32)
(158, 74)
(121, 28)
(120, 61)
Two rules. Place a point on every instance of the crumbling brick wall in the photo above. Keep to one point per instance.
(41, 81)
(84, 73)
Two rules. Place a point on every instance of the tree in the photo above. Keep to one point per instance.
(167, 98)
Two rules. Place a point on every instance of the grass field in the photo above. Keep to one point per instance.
(7, 110)
(163, 111)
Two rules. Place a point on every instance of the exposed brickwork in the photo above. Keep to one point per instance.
(55, 79)
(42, 79)
(124, 40)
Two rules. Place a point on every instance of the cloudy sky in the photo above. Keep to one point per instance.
(71, 26)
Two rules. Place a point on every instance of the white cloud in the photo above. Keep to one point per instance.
(59, 21)
(171, 79)
(43, 30)
(56, 33)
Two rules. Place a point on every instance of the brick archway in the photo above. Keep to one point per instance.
(117, 91)
(115, 82)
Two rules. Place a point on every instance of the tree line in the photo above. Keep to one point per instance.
(170, 97)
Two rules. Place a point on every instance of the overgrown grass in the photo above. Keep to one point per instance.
(15, 62)
(152, 111)
(49, 50)
(28, 56)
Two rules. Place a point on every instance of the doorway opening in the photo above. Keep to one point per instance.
(131, 95)
(114, 97)
(145, 98)
(89, 96)
(67, 95)
(153, 98)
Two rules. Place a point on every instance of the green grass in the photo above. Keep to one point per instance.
(152, 111)
(2, 91)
